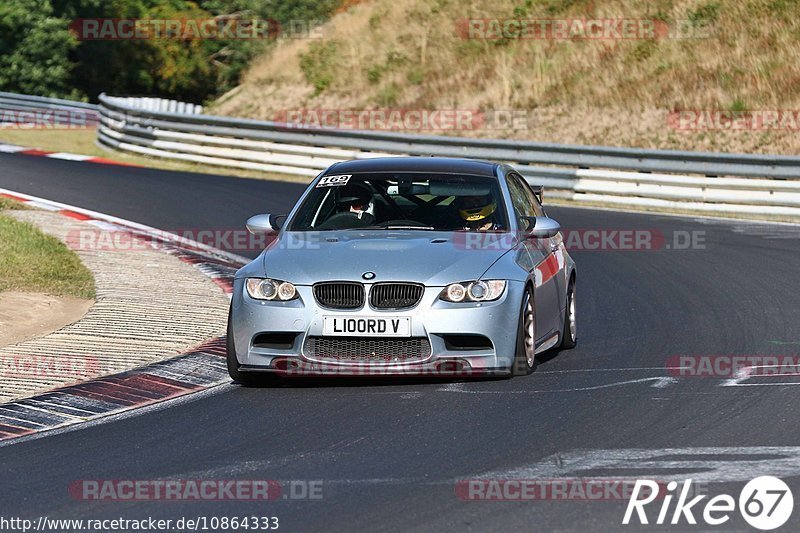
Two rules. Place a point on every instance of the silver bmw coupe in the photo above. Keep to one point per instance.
(406, 265)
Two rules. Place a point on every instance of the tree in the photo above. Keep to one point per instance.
(39, 55)
(34, 50)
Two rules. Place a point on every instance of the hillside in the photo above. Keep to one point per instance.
(717, 57)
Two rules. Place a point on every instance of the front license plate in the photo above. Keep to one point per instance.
(366, 326)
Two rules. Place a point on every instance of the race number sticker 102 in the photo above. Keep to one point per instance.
(334, 181)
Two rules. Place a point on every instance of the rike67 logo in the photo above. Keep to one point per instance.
(765, 503)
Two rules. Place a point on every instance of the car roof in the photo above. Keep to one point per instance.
(440, 165)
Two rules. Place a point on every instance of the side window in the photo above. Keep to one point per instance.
(522, 199)
(537, 207)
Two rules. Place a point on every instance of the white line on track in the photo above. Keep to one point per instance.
(658, 382)
(633, 369)
(165, 235)
(706, 464)
(746, 373)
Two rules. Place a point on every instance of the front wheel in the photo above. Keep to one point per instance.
(569, 336)
(525, 356)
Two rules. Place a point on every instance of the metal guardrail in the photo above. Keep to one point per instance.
(695, 181)
(43, 112)
(23, 111)
(524, 153)
(156, 104)
(41, 102)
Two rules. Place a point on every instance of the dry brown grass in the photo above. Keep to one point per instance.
(385, 53)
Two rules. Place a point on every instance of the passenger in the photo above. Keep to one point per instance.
(477, 213)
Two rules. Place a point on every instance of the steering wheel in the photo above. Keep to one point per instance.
(347, 220)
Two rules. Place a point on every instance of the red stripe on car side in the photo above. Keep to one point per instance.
(548, 267)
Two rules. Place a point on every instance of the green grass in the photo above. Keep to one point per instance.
(10, 205)
(318, 65)
(31, 261)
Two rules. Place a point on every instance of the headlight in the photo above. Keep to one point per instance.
(270, 289)
(474, 291)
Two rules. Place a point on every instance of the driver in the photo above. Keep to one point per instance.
(355, 199)
(478, 212)
(352, 209)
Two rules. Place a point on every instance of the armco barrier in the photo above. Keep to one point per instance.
(54, 112)
(22, 112)
(40, 102)
(694, 181)
(723, 183)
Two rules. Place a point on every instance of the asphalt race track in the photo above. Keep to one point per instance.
(390, 453)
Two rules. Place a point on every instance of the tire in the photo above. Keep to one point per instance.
(246, 379)
(525, 356)
(569, 336)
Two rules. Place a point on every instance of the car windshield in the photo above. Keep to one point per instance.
(439, 202)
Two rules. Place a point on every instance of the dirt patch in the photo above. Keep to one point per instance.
(25, 315)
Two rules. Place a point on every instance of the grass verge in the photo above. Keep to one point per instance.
(31, 261)
(10, 205)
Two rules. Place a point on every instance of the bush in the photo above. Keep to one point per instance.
(318, 65)
(39, 56)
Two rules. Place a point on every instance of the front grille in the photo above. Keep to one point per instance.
(368, 350)
(395, 295)
(339, 295)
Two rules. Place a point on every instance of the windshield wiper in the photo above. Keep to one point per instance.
(393, 227)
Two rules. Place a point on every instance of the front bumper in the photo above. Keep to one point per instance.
(432, 319)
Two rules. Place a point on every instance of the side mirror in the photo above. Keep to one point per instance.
(264, 224)
(541, 227)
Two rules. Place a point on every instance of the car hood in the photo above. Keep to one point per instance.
(431, 258)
